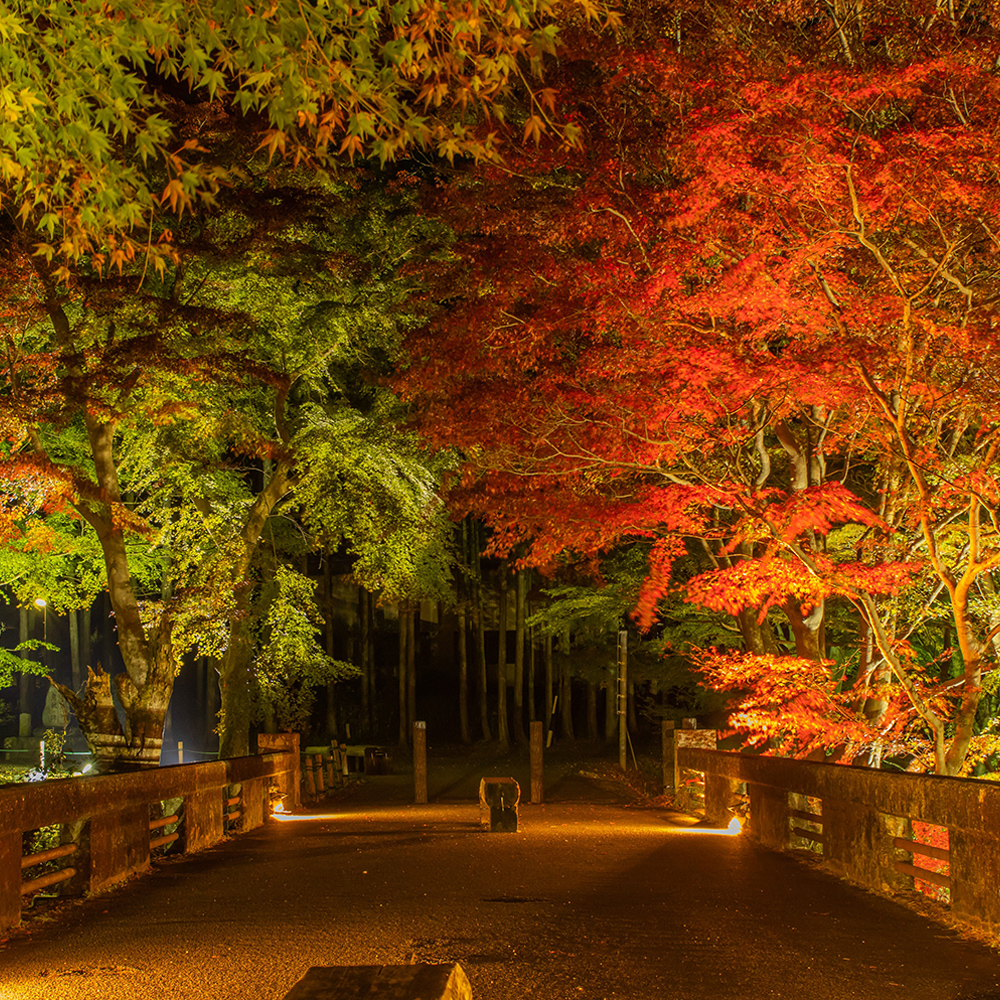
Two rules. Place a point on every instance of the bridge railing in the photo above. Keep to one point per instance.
(108, 824)
(862, 819)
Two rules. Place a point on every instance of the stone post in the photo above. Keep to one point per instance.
(420, 763)
(537, 740)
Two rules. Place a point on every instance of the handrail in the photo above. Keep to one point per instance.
(865, 817)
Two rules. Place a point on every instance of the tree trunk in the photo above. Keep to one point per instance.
(611, 707)
(566, 690)
(404, 662)
(549, 684)
(521, 594)
(364, 614)
(74, 650)
(502, 733)
(592, 711)
(24, 681)
(85, 637)
(532, 713)
(411, 666)
(479, 629)
(463, 678)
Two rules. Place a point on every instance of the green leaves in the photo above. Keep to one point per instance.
(98, 101)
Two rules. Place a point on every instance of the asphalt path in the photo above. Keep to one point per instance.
(592, 898)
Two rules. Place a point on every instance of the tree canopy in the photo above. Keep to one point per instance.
(751, 321)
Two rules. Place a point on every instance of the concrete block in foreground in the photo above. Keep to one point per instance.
(383, 982)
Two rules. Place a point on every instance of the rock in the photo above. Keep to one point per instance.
(55, 715)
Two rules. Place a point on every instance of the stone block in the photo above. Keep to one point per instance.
(974, 867)
(857, 843)
(119, 845)
(498, 799)
(768, 819)
(10, 880)
(203, 822)
(383, 982)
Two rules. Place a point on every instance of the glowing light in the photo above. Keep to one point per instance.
(278, 807)
(40, 602)
(288, 818)
(735, 826)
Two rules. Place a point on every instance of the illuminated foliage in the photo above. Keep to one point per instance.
(751, 321)
(116, 117)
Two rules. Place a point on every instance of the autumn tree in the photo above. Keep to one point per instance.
(119, 122)
(751, 320)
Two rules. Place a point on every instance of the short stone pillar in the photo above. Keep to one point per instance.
(720, 794)
(498, 798)
(768, 820)
(858, 843)
(383, 982)
(289, 743)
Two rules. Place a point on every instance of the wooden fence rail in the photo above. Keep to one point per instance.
(106, 825)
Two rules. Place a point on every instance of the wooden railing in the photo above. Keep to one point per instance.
(861, 821)
(108, 824)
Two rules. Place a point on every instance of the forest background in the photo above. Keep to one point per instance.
(551, 320)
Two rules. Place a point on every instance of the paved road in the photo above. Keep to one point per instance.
(590, 900)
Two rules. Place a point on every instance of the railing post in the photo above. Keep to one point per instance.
(119, 845)
(975, 874)
(10, 879)
(720, 792)
(857, 843)
(768, 819)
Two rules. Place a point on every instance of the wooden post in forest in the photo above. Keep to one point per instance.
(537, 741)
(622, 697)
(420, 763)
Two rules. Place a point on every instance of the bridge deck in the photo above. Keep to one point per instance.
(590, 900)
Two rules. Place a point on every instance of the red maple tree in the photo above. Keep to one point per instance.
(752, 320)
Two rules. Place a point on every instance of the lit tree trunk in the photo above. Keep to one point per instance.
(74, 650)
(84, 642)
(234, 668)
(521, 583)
(502, 733)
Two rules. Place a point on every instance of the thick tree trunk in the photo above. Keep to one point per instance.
(404, 664)
(74, 650)
(234, 689)
(502, 732)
